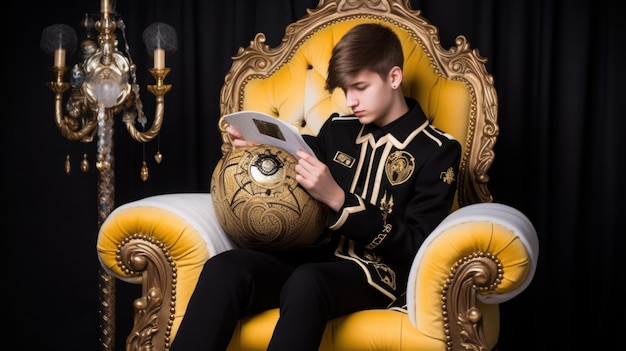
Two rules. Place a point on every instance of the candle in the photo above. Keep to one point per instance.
(59, 57)
(159, 58)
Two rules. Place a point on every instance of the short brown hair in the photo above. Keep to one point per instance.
(368, 46)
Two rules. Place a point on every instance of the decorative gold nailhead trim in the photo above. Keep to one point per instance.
(474, 313)
(166, 253)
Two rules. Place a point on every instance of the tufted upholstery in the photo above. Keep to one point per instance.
(281, 94)
(481, 255)
(452, 86)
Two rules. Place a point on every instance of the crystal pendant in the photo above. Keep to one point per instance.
(68, 165)
(144, 171)
(84, 164)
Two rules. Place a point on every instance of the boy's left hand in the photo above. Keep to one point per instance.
(236, 138)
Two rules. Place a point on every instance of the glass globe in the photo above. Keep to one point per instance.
(107, 92)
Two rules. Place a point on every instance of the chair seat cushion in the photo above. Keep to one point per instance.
(359, 331)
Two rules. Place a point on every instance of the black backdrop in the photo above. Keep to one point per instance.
(556, 65)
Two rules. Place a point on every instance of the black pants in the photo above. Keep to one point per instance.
(310, 289)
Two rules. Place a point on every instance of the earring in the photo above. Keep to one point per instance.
(393, 86)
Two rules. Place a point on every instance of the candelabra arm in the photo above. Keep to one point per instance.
(159, 90)
(71, 128)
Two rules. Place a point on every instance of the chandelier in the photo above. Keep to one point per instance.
(104, 84)
(101, 86)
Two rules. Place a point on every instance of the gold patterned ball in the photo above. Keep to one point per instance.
(259, 203)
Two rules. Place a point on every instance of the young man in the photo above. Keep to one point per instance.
(387, 177)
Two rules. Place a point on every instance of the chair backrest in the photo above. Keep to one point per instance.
(452, 86)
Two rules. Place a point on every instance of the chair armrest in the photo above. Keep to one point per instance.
(161, 242)
(480, 254)
(183, 222)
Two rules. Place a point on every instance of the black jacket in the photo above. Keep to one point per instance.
(398, 187)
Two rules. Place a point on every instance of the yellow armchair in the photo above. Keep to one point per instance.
(481, 255)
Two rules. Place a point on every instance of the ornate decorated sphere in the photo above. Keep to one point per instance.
(259, 203)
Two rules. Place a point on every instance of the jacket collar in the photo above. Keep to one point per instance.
(399, 132)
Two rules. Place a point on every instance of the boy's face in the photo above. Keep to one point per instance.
(370, 98)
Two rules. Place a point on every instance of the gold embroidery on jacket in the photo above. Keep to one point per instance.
(386, 207)
(379, 275)
(344, 159)
(447, 176)
(399, 167)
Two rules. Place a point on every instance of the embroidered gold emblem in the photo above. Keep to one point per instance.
(386, 275)
(399, 167)
(447, 176)
(344, 159)
(386, 207)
